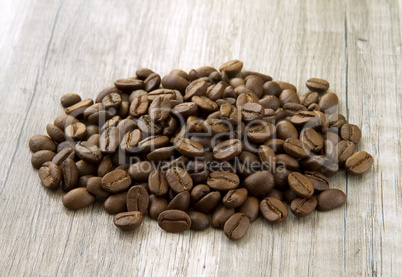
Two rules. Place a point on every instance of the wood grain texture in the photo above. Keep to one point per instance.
(48, 48)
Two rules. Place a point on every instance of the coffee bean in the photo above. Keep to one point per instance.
(306, 119)
(296, 148)
(302, 207)
(235, 198)
(50, 175)
(130, 141)
(230, 113)
(105, 92)
(94, 186)
(293, 109)
(116, 203)
(285, 129)
(116, 181)
(199, 221)
(203, 71)
(208, 202)
(236, 82)
(64, 120)
(260, 132)
(189, 148)
(221, 215)
(174, 221)
(275, 193)
(215, 126)
(267, 157)
(162, 154)
(318, 85)
(344, 149)
(318, 180)
(231, 68)
(246, 97)
(105, 166)
(309, 98)
(286, 161)
(180, 202)
(143, 73)
(175, 82)
(149, 127)
(312, 140)
(205, 105)
(128, 221)
(152, 82)
(351, 132)
(300, 185)
(259, 183)
(215, 92)
(198, 88)
(83, 180)
(139, 106)
(179, 180)
(109, 140)
(270, 102)
(284, 85)
(156, 206)
(129, 84)
(69, 99)
(89, 152)
(236, 226)
(329, 103)
(77, 199)
(330, 199)
(223, 181)
(55, 133)
(67, 153)
(77, 110)
(41, 142)
(271, 88)
(137, 199)
(276, 145)
(76, 131)
(85, 168)
(251, 112)
(40, 157)
(113, 122)
(288, 96)
(273, 210)
(227, 149)
(289, 196)
(159, 109)
(336, 121)
(359, 162)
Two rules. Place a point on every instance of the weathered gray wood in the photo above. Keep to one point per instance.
(48, 48)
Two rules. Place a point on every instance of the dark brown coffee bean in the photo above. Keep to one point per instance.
(64, 120)
(351, 132)
(235, 198)
(276, 145)
(203, 71)
(251, 208)
(208, 202)
(330, 199)
(185, 110)
(275, 193)
(130, 141)
(83, 180)
(41, 142)
(205, 105)
(273, 210)
(129, 84)
(189, 148)
(292, 109)
(40, 157)
(158, 184)
(271, 88)
(174, 221)
(359, 162)
(137, 199)
(94, 186)
(245, 97)
(77, 199)
(263, 77)
(197, 88)
(267, 157)
(128, 221)
(116, 181)
(92, 130)
(85, 168)
(230, 113)
(179, 180)
(124, 108)
(139, 106)
(199, 221)
(231, 68)
(270, 102)
(162, 154)
(97, 114)
(159, 109)
(67, 153)
(285, 129)
(88, 152)
(94, 139)
(221, 215)
(156, 206)
(198, 192)
(227, 149)
(236, 226)
(284, 85)
(223, 181)
(105, 92)
(344, 149)
(300, 185)
(251, 112)
(143, 73)
(289, 196)
(109, 140)
(254, 83)
(236, 82)
(215, 92)
(113, 122)
(259, 183)
(77, 110)
(314, 162)
(260, 132)
(55, 133)
(180, 202)
(288, 96)
(149, 127)
(309, 98)
(306, 119)
(336, 121)
(329, 103)
(116, 203)
(319, 181)
(215, 126)
(312, 139)
(76, 131)
(69, 99)
(302, 207)
(296, 148)
(175, 82)
(152, 142)
(112, 100)
(70, 175)
(152, 82)
(318, 85)
(286, 161)
(50, 175)
(105, 166)
(174, 96)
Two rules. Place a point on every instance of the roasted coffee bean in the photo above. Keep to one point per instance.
(300, 185)
(309, 98)
(113, 122)
(318, 85)
(319, 181)
(270, 102)
(185, 110)
(306, 119)
(284, 85)
(344, 149)
(77, 110)
(152, 142)
(288, 96)
(215, 126)
(149, 127)
(250, 208)
(259, 183)
(162, 154)
(105, 92)
(77, 199)
(158, 184)
(281, 178)
(221, 215)
(296, 148)
(329, 103)
(40, 157)
(143, 73)
(227, 149)
(50, 175)
(223, 181)
(159, 109)
(313, 162)
(276, 145)
(251, 112)
(267, 157)
(116, 181)
(105, 166)
(70, 175)
(333, 138)
(130, 141)
(263, 77)
(246, 97)
(129, 84)
(330, 199)
(195, 124)
(302, 207)
(116, 203)
(152, 82)
(236, 82)
(124, 108)
(208, 202)
(359, 162)
(215, 92)
(189, 148)
(198, 171)
(199, 221)
(180, 162)
(180, 202)
(292, 109)
(156, 206)
(271, 88)
(289, 196)
(336, 121)
(97, 114)
(94, 186)
(67, 153)
(273, 210)
(286, 161)
(312, 140)
(175, 82)
(260, 132)
(170, 126)
(69, 99)
(275, 193)
(351, 132)
(94, 139)
(85, 168)
(76, 131)
(41, 142)
(203, 71)
(205, 105)
(64, 120)
(55, 133)
(285, 129)
(235, 198)
(128, 221)
(174, 221)
(198, 192)
(198, 88)
(139, 106)
(231, 68)
(88, 152)
(254, 83)
(230, 113)
(83, 180)
(179, 180)
(109, 140)
(137, 199)
(92, 130)
(236, 226)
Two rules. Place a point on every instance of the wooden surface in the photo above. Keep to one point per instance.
(48, 48)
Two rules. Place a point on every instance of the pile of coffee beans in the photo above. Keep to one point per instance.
(201, 148)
